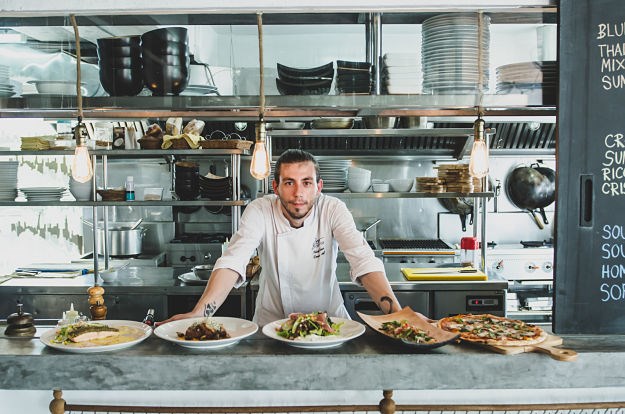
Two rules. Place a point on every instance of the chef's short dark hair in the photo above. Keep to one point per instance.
(295, 156)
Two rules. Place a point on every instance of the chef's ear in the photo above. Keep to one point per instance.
(274, 185)
(319, 185)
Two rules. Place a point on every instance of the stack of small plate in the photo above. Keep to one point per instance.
(8, 180)
(6, 87)
(401, 73)
(528, 78)
(455, 53)
(43, 193)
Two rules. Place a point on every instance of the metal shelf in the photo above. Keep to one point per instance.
(348, 195)
(133, 153)
(277, 107)
(151, 203)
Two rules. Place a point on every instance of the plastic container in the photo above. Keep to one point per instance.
(470, 254)
(130, 188)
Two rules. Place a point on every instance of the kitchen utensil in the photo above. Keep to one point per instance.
(548, 346)
(203, 272)
(442, 337)
(363, 224)
(461, 206)
(20, 323)
(532, 188)
(123, 241)
(434, 273)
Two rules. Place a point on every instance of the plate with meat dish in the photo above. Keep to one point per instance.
(96, 336)
(409, 328)
(206, 333)
(313, 330)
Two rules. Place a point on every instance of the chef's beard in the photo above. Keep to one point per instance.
(297, 213)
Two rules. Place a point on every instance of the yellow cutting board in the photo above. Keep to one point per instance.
(438, 273)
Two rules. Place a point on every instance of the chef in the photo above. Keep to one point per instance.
(297, 231)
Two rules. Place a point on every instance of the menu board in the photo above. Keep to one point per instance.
(590, 219)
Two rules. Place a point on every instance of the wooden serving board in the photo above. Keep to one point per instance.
(548, 346)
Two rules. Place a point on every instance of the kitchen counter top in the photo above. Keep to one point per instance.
(368, 362)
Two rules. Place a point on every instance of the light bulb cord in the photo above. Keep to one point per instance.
(72, 18)
(261, 108)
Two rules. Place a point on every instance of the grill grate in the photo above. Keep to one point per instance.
(420, 244)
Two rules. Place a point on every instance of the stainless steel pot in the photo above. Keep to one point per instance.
(123, 241)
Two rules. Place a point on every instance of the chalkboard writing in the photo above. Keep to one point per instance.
(590, 207)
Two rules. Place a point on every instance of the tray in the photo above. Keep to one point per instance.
(226, 144)
(441, 273)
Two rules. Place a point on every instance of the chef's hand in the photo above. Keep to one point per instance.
(180, 316)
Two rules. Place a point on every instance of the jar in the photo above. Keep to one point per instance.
(103, 134)
(469, 253)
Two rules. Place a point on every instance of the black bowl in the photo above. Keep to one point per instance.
(121, 82)
(113, 51)
(354, 77)
(318, 88)
(121, 62)
(118, 41)
(165, 48)
(157, 61)
(166, 80)
(303, 80)
(347, 65)
(326, 70)
(166, 34)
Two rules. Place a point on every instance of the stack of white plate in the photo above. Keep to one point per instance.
(333, 173)
(401, 73)
(455, 53)
(537, 77)
(43, 193)
(6, 87)
(8, 180)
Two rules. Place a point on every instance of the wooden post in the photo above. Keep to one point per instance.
(387, 405)
(57, 405)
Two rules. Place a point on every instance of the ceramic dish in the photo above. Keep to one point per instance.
(349, 330)
(442, 337)
(132, 333)
(235, 327)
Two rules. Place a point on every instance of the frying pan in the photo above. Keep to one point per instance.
(461, 206)
(532, 188)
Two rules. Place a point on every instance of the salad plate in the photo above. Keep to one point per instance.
(347, 331)
(131, 333)
(235, 327)
(439, 337)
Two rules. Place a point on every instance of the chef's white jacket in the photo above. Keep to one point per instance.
(298, 265)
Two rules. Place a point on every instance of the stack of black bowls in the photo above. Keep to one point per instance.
(305, 81)
(166, 60)
(187, 180)
(119, 59)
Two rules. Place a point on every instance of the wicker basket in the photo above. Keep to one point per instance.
(226, 144)
(179, 143)
(113, 194)
(148, 142)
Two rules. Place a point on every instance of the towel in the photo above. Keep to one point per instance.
(192, 139)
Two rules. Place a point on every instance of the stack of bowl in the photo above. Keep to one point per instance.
(119, 59)
(187, 180)
(166, 60)
(215, 188)
(358, 179)
(353, 77)
(309, 81)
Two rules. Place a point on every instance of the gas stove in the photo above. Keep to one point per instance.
(520, 261)
(191, 249)
(200, 238)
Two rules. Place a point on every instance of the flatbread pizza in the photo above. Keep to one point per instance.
(492, 330)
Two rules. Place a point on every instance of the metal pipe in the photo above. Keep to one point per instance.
(369, 38)
(96, 270)
(377, 51)
(105, 217)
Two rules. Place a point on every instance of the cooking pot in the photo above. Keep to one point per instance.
(123, 240)
(532, 188)
(461, 206)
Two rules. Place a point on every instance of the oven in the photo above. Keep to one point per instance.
(528, 268)
(192, 249)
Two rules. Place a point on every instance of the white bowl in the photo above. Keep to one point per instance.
(354, 171)
(358, 186)
(80, 191)
(108, 275)
(401, 185)
(380, 187)
(57, 87)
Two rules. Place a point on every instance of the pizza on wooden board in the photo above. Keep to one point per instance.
(493, 330)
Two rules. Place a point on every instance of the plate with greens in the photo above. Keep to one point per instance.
(313, 330)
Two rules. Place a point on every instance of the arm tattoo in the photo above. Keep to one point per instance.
(210, 309)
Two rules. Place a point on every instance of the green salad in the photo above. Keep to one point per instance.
(300, 325)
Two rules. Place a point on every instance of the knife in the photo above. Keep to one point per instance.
(44, 270)
(444, 271)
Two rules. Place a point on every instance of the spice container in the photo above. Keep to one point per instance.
(469, 254)
(130, 188)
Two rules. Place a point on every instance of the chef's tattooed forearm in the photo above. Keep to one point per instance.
(390, 303)
(210, 309)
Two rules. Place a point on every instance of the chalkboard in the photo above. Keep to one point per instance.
(590, 210)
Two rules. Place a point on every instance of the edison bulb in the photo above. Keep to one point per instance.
(82, 170)
(260, 167)
(478, 165)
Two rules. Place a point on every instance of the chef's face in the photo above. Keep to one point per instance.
(297, 190)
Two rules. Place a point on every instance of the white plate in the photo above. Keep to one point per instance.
(191, 279)
(139, 332)
(236, 328)
(349, 330)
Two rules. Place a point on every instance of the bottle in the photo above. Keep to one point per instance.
(469, 254)
(130, 188)
(149, 318)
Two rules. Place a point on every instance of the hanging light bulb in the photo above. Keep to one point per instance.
(478, 165)
(82, 169)
(260, 167)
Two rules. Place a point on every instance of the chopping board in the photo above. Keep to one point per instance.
(548, 346)
(442, 273)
